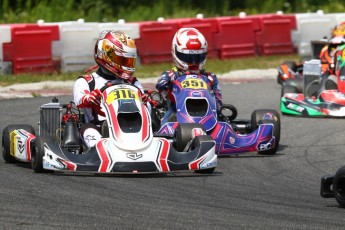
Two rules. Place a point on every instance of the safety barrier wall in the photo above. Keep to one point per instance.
(30, 48)
(313, 27)
(273, 33)
(5, 37)
(77, 41)
(229, 43)
(154, 44)
(69, 46)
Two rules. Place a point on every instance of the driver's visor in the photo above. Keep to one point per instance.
(191, 58)
(128, 62)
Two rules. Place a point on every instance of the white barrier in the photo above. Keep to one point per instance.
(5, 37)
(131, 29)
(77, 42)
(311, 27)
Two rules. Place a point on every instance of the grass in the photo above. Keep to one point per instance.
(154, 70)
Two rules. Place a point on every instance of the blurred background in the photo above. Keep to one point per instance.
(29, 11)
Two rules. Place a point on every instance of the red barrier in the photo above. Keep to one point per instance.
(154, 44)
(274, 34)
(236, 37)
(31, 48)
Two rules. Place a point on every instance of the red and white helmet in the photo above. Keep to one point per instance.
(189, 49)
(116, 52)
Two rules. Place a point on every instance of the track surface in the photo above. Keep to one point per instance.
(245, 192)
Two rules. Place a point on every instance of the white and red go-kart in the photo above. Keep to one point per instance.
(128, 144)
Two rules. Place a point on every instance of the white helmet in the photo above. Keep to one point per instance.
(189, 49)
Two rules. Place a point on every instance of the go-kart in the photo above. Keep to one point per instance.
(195, 104)
(333, 186)
(128, 144)
(292, 70)
(316, 94)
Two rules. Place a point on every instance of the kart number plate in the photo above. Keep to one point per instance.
(121, 94)
(194, 84)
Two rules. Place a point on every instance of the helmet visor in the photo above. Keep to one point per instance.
(128, 62)
(191, 58)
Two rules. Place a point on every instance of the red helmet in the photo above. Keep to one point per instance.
(116, 52)
(189, 49)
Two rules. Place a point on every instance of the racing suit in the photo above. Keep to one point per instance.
(165, 83)
(89, 85)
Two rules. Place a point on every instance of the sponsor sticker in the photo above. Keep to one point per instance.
(295, 107)
(134, 156)
(121, 94)
(194, 83)
(266, 146)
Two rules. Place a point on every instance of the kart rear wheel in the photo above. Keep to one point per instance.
(37, 155)
(183, 135)
(257, 118)
(6, 153)
(339, 186)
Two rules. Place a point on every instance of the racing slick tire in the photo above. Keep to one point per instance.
(6, 140)
(38, 153)
(276, 134)
(295, 82)
(200, 139)
(256, 119)
(312, 89)
(226, 108)
(339, 186)
(288, 89)
(183, 135)
(331, 82)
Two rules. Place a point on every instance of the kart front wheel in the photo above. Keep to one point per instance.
(339, 186)
(6, 141)
(276, 134)
(38, 154)
(288, 89)
(229, 112)
(205, 171)
(258, 118)
(184, 134)
(196, 142)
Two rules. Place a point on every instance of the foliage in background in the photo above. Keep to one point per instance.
(29, 11)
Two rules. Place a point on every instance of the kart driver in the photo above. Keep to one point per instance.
(328, 51)
(339, 68)
(115, 54)
(189, 52)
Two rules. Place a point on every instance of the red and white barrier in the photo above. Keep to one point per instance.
(69, 46)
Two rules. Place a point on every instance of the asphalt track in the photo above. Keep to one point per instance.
(247, 191)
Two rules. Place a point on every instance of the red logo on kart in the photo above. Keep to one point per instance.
(232, 140)
(197, 132)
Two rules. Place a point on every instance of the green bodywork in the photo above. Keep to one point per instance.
(309, 108)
